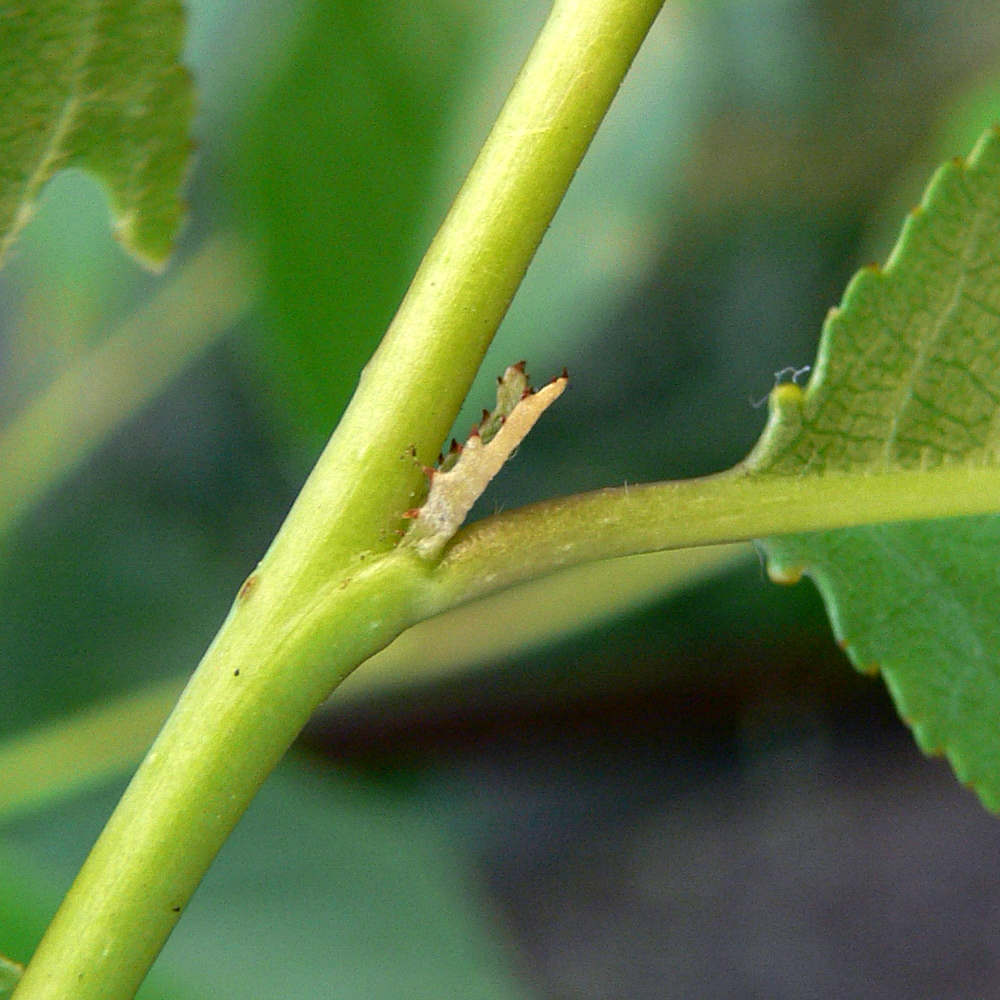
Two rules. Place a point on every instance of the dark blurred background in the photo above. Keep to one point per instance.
(697, 799)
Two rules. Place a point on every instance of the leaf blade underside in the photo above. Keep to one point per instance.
(908, 377)
(97, 84)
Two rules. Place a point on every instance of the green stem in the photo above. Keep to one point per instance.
(333, 589)
(413, 387)
(522, 544)
(278, 654)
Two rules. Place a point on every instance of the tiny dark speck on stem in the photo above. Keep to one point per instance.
(236, 672)
(248, 585)
(177, 909)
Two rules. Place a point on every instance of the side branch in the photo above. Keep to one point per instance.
(500, 551)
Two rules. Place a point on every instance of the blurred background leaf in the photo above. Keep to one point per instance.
(10, 973)
(328, 888)
(102, 89)
(340, 171)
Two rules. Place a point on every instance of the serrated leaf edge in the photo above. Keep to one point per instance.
(786, 408)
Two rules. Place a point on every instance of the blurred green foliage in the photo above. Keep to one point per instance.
(758, 155)
(330, 888)
(340, 168)
(10, 973)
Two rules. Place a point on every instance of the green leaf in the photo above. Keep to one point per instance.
(918, 602)
(96, 84)
(10, 973)
(340, 165)
(908, 377)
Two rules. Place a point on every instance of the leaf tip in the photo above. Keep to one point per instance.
(150, 242)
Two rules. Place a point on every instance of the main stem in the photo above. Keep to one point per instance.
(333, 588)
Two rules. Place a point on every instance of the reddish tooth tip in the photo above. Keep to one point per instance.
(520, 366)
(412, 512)
(428, 472)
(455, 446)
(565, 374)
(474, 433)
(485, 416)
(527, 392)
